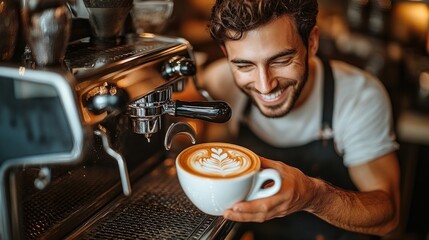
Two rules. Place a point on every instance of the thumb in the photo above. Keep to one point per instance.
(267, 163)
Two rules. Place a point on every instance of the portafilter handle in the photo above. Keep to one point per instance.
(216, 111)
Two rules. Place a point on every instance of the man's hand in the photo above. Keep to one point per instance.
(293, 196)
(374, 209)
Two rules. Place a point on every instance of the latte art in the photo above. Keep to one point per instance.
(218, 160)
(216, 175)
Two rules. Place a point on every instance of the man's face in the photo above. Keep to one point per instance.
(270, 64)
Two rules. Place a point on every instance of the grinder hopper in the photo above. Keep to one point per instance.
(107, 17)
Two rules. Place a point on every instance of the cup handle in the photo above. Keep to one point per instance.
(263, 176)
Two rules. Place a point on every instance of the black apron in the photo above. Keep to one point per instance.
(316, 159)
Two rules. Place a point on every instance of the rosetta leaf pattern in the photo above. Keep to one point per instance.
(220, 161)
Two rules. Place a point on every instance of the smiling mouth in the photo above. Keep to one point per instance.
(272, 96)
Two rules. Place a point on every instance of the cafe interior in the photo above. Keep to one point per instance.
(390, 39)
(65, 197)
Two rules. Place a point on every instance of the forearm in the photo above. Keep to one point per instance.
(366, 212)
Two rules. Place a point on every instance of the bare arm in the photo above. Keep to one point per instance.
(374, 209)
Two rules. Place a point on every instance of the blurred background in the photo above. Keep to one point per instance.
(388, 38)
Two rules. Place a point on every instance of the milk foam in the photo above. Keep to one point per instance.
(219, 161)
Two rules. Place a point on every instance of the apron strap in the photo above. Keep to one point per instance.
(328, 94)
(328, 100)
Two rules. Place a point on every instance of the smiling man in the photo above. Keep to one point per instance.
(326, 126)
(272, 75)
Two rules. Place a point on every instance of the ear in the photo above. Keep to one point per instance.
(223, 48)
(313, 42)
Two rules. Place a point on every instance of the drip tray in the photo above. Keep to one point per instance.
(157, 209)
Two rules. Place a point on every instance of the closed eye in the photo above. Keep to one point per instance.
(244, 67)
(281, 63)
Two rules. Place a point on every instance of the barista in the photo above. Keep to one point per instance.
(326, 125)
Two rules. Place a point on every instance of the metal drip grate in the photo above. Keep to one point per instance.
(158, 209)
(45, 211)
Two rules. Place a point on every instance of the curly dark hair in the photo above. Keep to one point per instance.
(231, 18)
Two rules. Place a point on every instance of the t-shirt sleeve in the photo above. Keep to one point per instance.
(367, 124)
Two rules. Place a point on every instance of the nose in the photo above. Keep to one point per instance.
(264, 83)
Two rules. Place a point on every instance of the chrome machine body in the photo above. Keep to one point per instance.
(84, 145)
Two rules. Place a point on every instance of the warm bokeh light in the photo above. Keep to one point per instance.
(410, 20)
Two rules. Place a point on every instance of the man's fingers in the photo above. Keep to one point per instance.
(254, 206)
(244, 217)
(267, 163)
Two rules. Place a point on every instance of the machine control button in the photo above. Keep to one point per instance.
(105, 98)
(178, 66)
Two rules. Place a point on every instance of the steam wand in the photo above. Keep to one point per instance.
(123, 171)
(178, 128)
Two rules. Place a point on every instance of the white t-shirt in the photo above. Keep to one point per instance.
(362, 119)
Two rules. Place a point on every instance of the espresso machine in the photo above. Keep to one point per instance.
(87, 122)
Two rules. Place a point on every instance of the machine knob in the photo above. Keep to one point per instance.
(177, 67)
(105, 98)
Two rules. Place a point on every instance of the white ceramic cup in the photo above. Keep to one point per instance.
(215, 176)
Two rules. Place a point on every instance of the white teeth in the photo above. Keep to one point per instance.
(271, 96)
